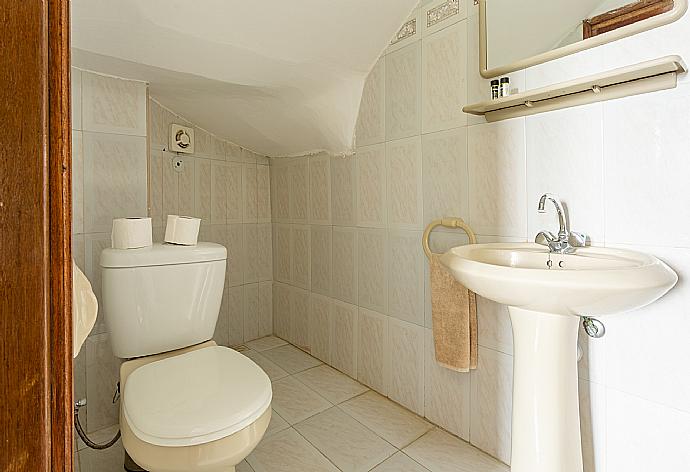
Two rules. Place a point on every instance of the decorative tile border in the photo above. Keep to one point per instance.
(442, 12)
(408, 30)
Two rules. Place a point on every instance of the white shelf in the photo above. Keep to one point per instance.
(649, 76)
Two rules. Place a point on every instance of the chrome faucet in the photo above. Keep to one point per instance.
(566, 241)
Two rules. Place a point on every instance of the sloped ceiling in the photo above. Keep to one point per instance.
(278, 77)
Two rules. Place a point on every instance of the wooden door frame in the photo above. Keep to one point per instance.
(36, 432)
(623, 16)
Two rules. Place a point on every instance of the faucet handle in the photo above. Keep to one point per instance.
(545, 238)
(576, 239)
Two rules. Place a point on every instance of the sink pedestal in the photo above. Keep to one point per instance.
(546, 418)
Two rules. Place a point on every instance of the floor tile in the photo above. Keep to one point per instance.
(331, 384)
(392, 422)
(272, 370)
(107, 460)
(291, 359)
(296, 402)
(276, 425)
(399, 463)
(441, 452)
(266, 343)
(244, 467)
(287, 451)
(345, 441)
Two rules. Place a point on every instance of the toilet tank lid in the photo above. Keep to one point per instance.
(162, 254)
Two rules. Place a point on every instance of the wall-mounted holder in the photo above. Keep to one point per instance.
(447, 223)
(645, 77)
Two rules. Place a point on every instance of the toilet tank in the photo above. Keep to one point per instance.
(161, 298)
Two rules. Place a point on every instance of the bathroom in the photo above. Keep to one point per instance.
(318, 171)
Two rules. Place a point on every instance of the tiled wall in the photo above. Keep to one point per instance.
(351, 279)
(229, 189)
(109, 168)
(226, 186)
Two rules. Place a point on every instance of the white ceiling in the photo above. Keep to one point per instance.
(277, 77)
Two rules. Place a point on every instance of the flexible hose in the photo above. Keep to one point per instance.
(85, 438)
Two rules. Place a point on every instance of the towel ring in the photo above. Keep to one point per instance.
(448, 223)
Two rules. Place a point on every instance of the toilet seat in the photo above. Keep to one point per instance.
(195, 398)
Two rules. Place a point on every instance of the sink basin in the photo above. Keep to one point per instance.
(545, 294)
(593, 281)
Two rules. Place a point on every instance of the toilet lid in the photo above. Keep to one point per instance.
(195, 398)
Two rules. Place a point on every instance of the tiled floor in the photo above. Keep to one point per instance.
(324, 421)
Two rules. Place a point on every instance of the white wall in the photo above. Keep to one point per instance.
(347, 237)
(109, 168)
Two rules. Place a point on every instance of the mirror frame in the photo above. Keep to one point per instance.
(680, 7)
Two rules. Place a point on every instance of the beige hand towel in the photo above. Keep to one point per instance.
(454, 317)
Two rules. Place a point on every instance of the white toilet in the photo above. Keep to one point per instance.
(186, 403)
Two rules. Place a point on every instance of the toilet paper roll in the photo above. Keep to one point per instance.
(183, 230)
(131, 233)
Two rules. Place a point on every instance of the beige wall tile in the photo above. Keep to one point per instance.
(265, 308)
(406, 271)
(236, 310)
(233, 193)
(446, 394)
(404, 181)
(115, 182)
(111, 105)
(371, 186)
(444, 71)
(319, 189)
(251, 253)
(299, 306)
(282, 317)
(321, 251)
(403, 92)
(299, 256)
(372, 278)
(263, 189)
(373, 363)
(492, 403)
(299, 190)
(221, 185)
(186, 181)
(250, 208)
(320, 327)
(446, 181)
(406, 344)
(343, 180)
(251, 312)
(202, 190)
(282, 253)
(344, 338)
(344, 285)
(265, 252)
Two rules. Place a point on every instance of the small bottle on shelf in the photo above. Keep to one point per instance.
(495, 89)
(505, 87)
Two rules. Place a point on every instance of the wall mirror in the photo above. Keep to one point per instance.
(515, 34)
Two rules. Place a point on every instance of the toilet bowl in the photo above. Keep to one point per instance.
(181, 412)
(187, 405)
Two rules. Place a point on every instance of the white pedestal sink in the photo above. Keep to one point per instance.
(546, 294)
